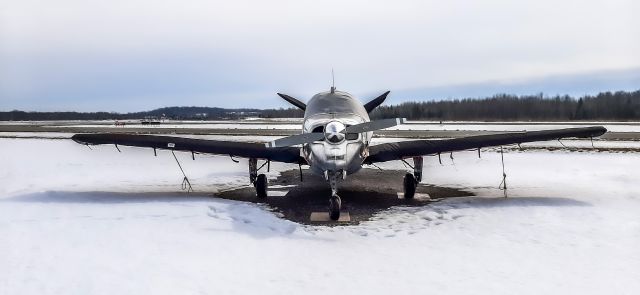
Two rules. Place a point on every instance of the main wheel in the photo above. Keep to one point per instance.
(261, 186)
(409, 186)
(334, 207)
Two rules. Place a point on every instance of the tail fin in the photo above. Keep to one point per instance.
(293, 101)
(375, 102)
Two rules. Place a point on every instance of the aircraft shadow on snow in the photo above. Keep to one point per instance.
(366, 194)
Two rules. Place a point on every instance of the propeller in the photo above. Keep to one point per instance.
(374, 125)
(295, 139)
(334, 132)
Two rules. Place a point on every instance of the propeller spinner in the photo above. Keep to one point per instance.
(333, 132)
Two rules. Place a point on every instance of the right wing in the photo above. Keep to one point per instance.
(203, 146)
(406, 149)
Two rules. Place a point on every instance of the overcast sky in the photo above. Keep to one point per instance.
(142, 54)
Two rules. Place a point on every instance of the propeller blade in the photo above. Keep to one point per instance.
(374, 125)
(295, 139)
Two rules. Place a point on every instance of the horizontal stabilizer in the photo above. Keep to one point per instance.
(293, 101)
(375, 102)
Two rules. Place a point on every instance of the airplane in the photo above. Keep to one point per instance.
(335, 142)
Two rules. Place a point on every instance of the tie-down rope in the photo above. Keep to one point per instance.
(503, 184)
(186, 184)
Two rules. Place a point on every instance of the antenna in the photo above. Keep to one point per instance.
(333, 82)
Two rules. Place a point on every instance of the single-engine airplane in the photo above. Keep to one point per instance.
(336, 132)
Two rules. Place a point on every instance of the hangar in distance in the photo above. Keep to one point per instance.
(334, 142)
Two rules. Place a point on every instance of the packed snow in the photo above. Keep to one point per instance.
(75, 220)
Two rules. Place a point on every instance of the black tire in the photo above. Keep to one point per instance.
(334, 208)
(261, 186)
(409, 186)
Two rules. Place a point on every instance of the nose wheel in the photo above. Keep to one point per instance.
(334, 207)
(334, 202)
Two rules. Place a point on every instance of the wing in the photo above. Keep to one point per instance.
(216, 147)
(400, 150)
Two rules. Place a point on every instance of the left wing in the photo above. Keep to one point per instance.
(216, 147)
(406, 149)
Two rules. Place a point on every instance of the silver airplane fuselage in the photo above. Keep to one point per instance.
(330, 112)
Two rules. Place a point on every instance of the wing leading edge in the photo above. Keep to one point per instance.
(400, 150)
(216, 147)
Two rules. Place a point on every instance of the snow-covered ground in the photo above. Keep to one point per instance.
(81, 221)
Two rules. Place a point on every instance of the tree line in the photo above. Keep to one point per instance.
(175, 113)
(618, 106)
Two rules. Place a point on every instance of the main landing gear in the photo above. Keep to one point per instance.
(261, 186)
(259, 181)
(411, 180)
(410, 184)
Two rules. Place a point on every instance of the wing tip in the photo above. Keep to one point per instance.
(79, 138)
(600, 130)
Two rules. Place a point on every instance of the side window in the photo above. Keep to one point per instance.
(318, 129)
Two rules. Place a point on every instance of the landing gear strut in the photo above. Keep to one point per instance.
(259, 181)
(334, 202)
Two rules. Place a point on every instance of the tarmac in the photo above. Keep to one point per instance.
(296, 200)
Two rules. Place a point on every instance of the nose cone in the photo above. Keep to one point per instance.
(333, 132)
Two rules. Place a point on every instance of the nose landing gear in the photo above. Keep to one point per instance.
(335, 203)
(334, 207)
